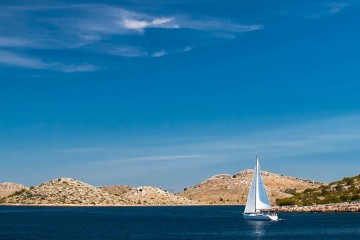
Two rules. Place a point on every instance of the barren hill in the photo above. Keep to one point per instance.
(8, 188)
(64, 191)
(146, 195)
(155, 196)
(219, 189)
(67, 191)
(233, 189)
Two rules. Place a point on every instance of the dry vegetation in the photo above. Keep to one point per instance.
(233, 189)
(345, 190)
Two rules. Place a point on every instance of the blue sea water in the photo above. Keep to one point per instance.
(195, 222)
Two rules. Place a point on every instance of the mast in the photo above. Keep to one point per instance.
(256, 172)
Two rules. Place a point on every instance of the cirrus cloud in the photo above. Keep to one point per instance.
(99, 28)
(18, 60)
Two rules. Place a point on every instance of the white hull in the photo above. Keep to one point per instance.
(260, 217)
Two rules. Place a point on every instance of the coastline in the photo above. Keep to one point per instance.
(334, 207)
(124, 205)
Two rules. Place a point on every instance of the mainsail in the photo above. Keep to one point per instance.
(257, 199)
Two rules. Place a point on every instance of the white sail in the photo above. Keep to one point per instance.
(262, 200)
(250, 203)
(257, 199)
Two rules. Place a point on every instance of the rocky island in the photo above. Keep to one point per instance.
(290, 194)
(233, 189)
(71, 192)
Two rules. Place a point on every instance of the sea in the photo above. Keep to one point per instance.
(181, 222)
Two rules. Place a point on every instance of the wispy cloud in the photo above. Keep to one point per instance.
(85, 67)
(93, 22)
(82, 150)
(322, 136)
(160, 53)
(140, 25)
(97, 28)
(217, 25)
(337, 7)
(13, 59)
(309, 138)
(15, 42)
(161, 158)
(124, 50)
(180, 21)
(18, 60)
(330, 9)
(187, 49)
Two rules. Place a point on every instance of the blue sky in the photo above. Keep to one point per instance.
(168, 93)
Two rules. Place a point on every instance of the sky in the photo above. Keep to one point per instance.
(168, 93)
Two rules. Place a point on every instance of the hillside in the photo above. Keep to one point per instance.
(219, 189)
(233, 189)
(67, 191)
(345, 190)
(64, 191)
(155, 196)
(8, 188)
(147, 195)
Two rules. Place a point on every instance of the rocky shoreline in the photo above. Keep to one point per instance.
(336, 207)
(333, 207)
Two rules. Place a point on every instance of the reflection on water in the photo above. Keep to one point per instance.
(258, 228)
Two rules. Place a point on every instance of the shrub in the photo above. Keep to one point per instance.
(291, 191)
(338, 188)
(18, 192)
(355, 198)
(308, 190)
(348, 181)
(285, 201)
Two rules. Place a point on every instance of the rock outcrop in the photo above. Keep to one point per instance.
(233, 189)
(8, 188)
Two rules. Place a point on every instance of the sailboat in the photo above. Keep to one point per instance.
(258, 206)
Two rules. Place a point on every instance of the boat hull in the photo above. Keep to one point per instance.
(260, 217)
